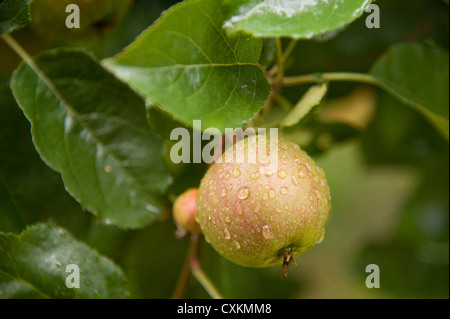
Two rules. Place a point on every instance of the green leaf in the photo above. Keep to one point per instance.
(191, 69)
(418, 75)
(36, 190)
(161, 122)
(286, 18)
(14, 14)
(92, 129)
(34, 265)
(310, 99)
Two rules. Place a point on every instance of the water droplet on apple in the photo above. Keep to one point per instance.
(266, 232)
(243, 193)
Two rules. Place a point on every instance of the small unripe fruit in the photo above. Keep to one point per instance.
(262, 213)
(184, 209)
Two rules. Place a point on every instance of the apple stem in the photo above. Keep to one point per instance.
(288, 258)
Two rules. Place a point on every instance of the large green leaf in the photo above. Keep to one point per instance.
(92, 129)
(291, 18)
(34, 265)
(190, 68)
(36, 191)
(14, 14)
(418, 75)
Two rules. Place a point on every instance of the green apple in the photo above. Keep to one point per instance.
(264, 212)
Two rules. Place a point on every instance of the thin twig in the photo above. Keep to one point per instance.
(290, 47)
(280, 62)
(332, 76)
(16, 47)
(204, 280)
(183, 279)
(192, 264)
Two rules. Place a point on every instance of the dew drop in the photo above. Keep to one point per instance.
(259, 187)
(283, 190)
(243, 192)
(282, 173)
(236, 172)
(268, 173)
(284, 162)
(227, 233)
(228, 219)
(227, 176)
(271, 193)
(266, 232)
(294, 181)
(224, 192)
(278, 209)
(265, 196)
(286, 206)
(301, 174)
(254, 175)
(236, 244)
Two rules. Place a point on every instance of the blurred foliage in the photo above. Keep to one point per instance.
(388, 174)
(357, 47)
